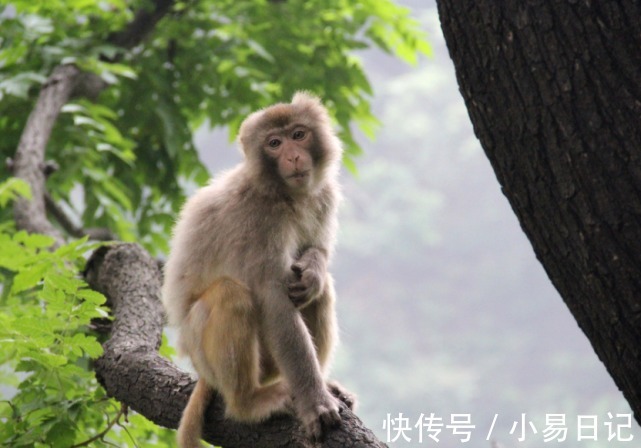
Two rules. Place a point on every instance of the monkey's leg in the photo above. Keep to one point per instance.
(231, 349)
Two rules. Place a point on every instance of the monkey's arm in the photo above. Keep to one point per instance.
(307, 280)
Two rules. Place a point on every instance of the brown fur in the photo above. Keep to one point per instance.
(246, 281)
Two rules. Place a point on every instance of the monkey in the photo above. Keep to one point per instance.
(246, 281)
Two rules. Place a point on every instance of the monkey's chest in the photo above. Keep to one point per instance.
(305, 230)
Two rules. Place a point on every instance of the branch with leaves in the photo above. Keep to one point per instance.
(65, 81)
(28, 163)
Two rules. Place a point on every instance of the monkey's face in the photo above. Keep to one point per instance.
(291, 146)
(290, 151)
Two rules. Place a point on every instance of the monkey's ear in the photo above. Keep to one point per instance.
(247, 130)
(304, 97)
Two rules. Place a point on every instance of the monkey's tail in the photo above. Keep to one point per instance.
(191, 424)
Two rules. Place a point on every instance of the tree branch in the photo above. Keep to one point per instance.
(30, 214)
(132, 371)
(97, 234)
(101, 434)
(142, 25)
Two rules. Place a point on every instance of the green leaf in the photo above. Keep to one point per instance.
(61, 282)
(32, 326)
(92, 296)
(88, 344)
(72, 108)
(12, 188)
(48, 360)
(34, 240)
(62, 433)
(115, 190)
(349, 163)
(118, 69)
(80, 120)
(75, 248)
(20, 84)
(29, 278)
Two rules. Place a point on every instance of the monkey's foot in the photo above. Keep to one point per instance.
(322, 416)
(337, 390)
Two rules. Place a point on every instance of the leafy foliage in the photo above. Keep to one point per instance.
(46, 345)
(129, 154)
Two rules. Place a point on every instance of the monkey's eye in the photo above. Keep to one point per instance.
(298, 135)
(274, 143)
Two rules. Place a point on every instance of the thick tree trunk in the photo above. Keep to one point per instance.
(552, 89)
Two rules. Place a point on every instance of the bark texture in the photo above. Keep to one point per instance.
(29, 162)
(552, 89)
(132, 371)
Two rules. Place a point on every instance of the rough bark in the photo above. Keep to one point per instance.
(29, 161)
(552, 89)
(132, 371)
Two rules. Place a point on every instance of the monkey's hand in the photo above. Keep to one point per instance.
(306, 282)
(322, 415)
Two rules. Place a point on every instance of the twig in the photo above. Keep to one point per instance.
(100, 435)
(55, 210)
(59, 215)
(142, 25)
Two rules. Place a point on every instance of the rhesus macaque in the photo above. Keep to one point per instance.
(246, 282)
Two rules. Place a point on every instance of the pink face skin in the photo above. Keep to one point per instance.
(290, 148)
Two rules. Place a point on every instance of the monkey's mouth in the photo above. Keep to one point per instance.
(299, 179)
(299, 175)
